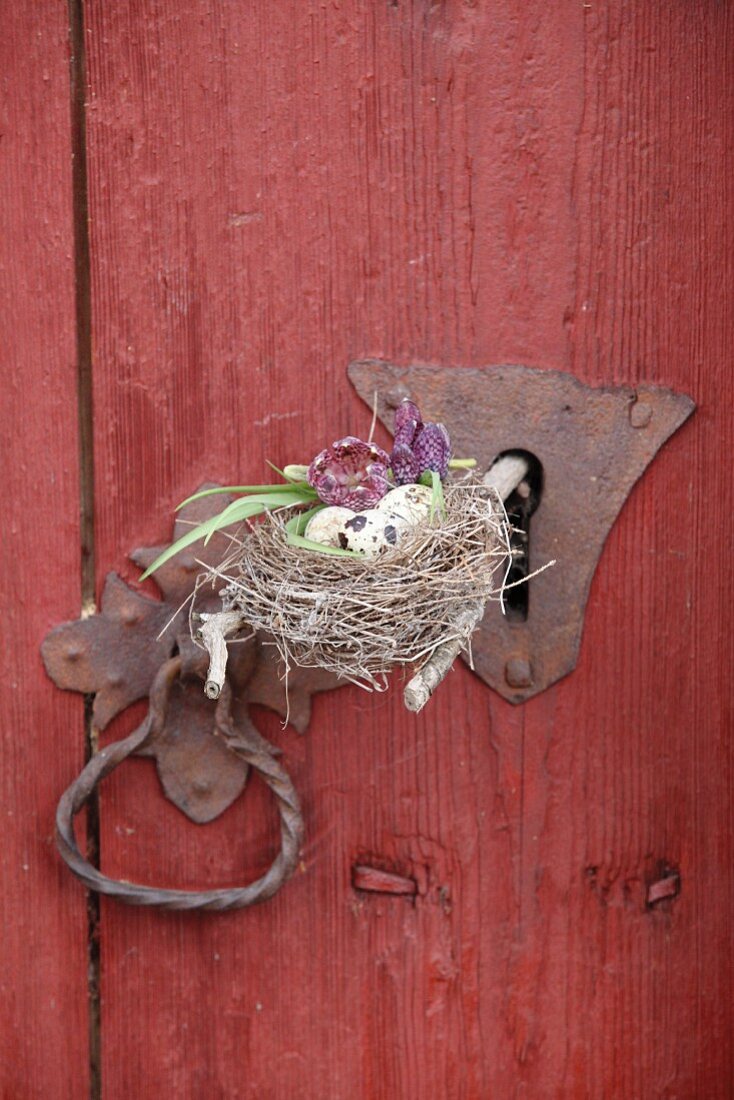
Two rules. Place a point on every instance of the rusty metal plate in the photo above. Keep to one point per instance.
(197, 771)
(593, 444)
(117, 654)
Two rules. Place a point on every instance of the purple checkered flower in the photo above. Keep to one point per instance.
(350, 473)
(418, 447)
(432, 449)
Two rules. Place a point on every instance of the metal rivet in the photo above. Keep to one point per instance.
(640, 414)
(518, 672)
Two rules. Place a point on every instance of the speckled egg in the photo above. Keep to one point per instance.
(370, 532)
(326, 526)
(411, 502)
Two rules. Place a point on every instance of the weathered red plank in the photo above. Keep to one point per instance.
(628, 770)
(43, 982)
(278, 189)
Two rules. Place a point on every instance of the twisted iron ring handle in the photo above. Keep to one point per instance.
(248, 745)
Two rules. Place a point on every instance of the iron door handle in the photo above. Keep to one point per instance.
(247, 744)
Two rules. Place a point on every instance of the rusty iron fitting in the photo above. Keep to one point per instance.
(249, 745)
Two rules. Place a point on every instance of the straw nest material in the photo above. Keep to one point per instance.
(359, 617)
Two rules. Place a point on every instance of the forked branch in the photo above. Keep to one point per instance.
(212, 634)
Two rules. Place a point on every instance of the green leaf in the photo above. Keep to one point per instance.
(255, 505)
(297, 525)
(277, 469)
(288, 487)
(309, 544)
(241, 509)
(191, 536)
(438, 504)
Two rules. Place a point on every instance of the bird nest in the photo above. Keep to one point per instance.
(360, 617)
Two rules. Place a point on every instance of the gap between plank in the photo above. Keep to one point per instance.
(83, 306)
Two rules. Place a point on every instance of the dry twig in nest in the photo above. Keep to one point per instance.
(503, 477)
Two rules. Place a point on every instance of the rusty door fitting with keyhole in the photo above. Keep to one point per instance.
(583, 448)
(586, 447)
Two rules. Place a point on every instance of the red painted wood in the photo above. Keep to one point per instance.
(275, 190)
(43, 981)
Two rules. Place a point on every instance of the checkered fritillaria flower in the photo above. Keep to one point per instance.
(418, 447)
(350, 473)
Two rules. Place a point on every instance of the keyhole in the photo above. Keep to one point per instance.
(520, 506)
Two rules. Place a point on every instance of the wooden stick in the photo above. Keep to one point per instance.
(420, 689)
(504, 476)
(212, 633)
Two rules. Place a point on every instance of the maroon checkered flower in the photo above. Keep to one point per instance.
(418, 447)
(350, 473)
(432, 449)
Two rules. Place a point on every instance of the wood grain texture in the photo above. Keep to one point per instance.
(277, 189)
(43, 981)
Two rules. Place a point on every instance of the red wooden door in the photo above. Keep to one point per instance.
(272, 190)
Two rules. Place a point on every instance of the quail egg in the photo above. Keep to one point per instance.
(370, 532)
(326, 526)
(411, 502)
